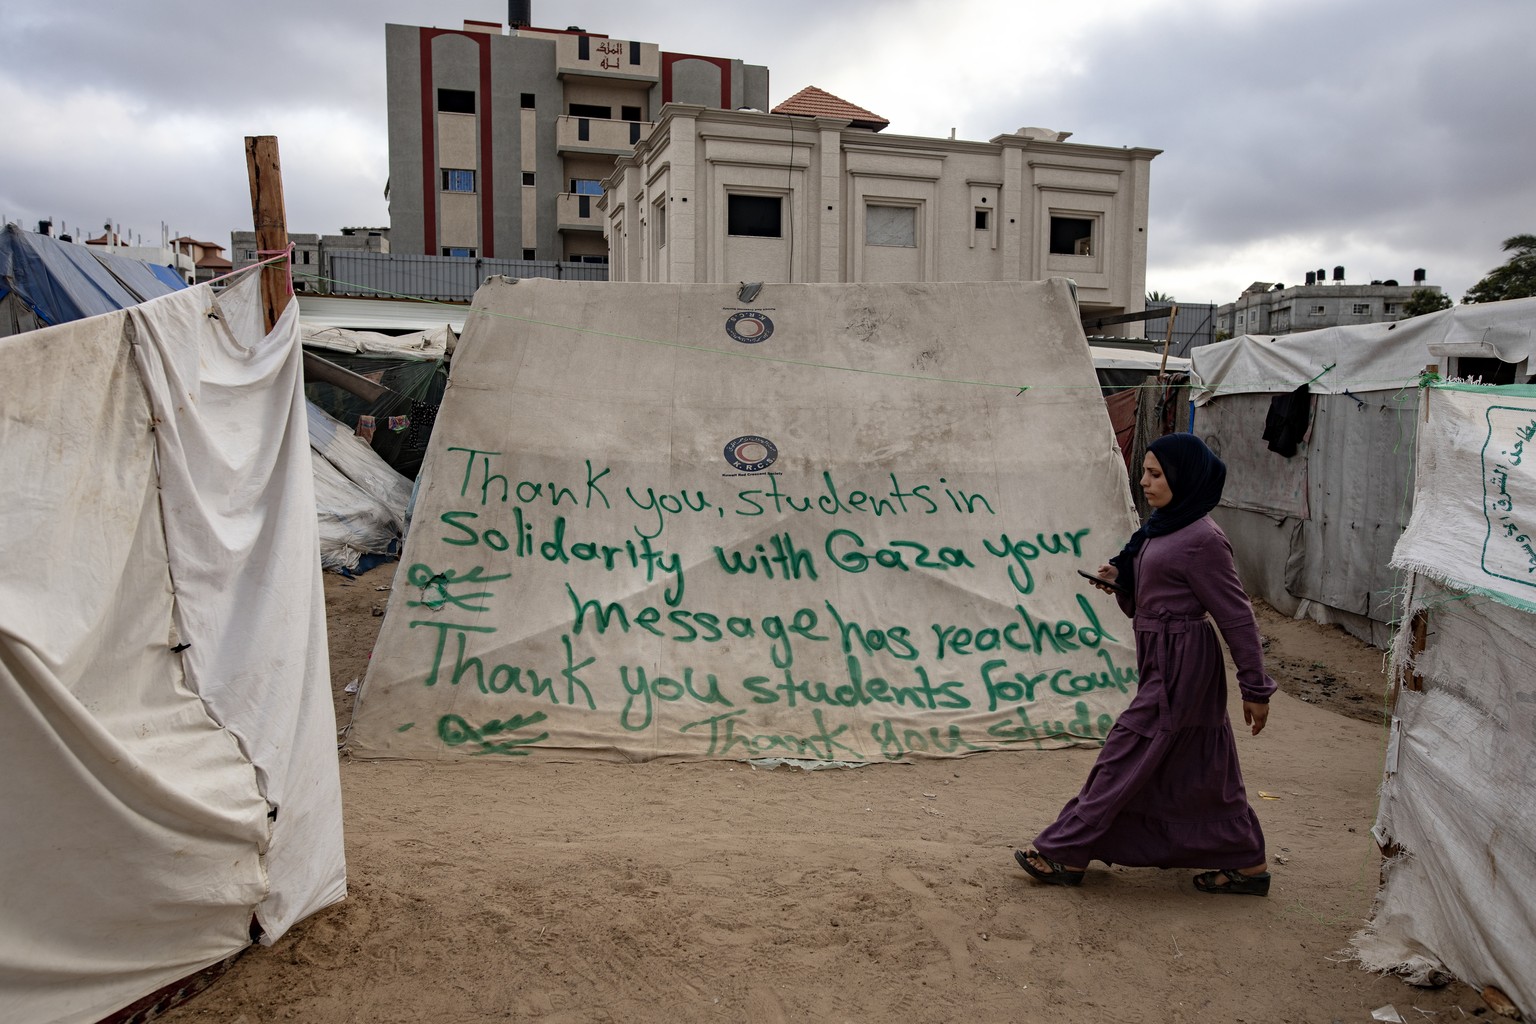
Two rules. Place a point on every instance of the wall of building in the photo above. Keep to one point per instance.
(857, 206)
(1266, 309)
(313, 254)
(503, 141)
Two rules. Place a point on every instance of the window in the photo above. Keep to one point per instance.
(659, 224)
(1241, 319)
(458, 180)
(1316, 311)
(634, 52)
(755, 216)
(1489, 371)
(629, 113)
(1391, 308)
(591, 110)
(528, 101)
(588, 258)
(530, 254)
(455, 101)
(982, 219)
(456, 250)
(583, 47)
(586, 186)
(1071, 236)
(890, 225)
(1361, 309)
(528, 178)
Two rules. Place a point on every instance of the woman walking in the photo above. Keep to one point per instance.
(1166, 790)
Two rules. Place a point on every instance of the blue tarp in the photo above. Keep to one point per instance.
(60, 281)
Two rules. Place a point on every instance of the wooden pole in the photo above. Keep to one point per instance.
(1420, 624)
(268, 213)
(1173, 313)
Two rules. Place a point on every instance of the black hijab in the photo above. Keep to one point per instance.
(1195, 477)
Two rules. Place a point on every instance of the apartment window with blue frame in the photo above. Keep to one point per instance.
(456, 250)
(586, 186)
(456, 180)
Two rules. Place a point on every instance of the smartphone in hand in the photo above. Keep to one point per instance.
(1101, 581)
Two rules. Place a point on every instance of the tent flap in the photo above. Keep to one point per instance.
(165, 715)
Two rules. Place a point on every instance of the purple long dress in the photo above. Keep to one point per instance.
(1166, 790)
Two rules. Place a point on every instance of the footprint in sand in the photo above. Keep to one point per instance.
(951, 930)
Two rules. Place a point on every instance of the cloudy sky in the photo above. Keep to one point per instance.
(1382, 135)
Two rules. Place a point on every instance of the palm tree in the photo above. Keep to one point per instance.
(1160, 298)
(1516, 279)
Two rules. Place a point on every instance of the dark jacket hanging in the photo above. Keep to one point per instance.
(1286, 423)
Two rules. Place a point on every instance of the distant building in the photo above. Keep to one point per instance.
(207, 258)
(193, 261)
(499, 139)
(1266, 308)
(312, 270)
(812, 192)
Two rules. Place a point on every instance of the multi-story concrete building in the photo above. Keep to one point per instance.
(499, 138)
(312, 271)
(813, 192)
(1268, 308)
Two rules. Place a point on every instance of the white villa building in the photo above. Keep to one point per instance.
(812, 193)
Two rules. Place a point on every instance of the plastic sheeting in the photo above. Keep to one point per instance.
(1458, 813)
(360, 500)
(55, 282)
(1313, 533)
(166, 726)
(659, 521)
(1477, 470)
(1366, 357)
(435, 343)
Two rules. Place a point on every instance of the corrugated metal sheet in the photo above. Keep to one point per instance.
(1360, 487)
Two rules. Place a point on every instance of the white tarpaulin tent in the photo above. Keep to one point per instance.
(1313, 533)
(824, 523)
(166, 726)
(360, 499)
(1458, 812)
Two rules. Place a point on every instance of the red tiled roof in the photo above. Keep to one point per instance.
(814, 102)
(215, 262)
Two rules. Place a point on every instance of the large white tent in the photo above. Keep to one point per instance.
(1458, 812)
(166, 727)
(835, 523)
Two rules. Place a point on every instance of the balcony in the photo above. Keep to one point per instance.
(575, 212)
(599, 136)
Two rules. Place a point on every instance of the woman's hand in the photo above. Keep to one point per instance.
(1108, 573)
(1255, 714)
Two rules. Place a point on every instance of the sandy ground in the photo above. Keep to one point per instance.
(718, 892)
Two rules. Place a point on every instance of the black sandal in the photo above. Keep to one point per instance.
(1237, 883)
(1058, 875)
